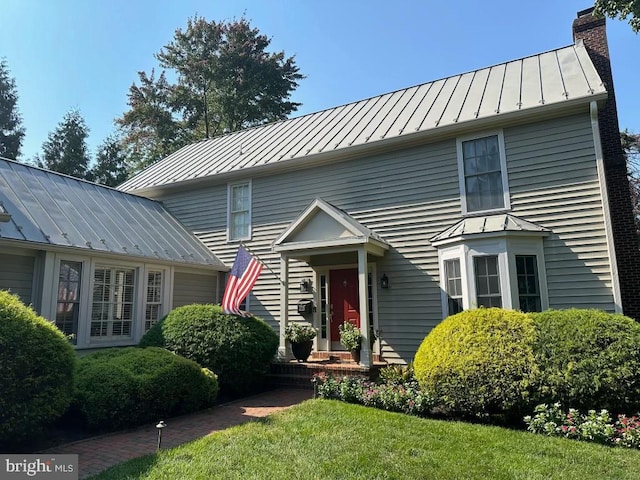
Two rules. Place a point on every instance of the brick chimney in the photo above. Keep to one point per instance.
(592, 31)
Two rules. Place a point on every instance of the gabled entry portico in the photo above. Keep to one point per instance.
(340, 250)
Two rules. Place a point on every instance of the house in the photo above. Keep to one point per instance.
(505, 186)
(104, 265)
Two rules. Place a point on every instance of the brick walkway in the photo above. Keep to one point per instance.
(99, 453)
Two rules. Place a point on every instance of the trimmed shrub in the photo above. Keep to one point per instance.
(36, 371)
(153, 337)
(588, 359)
(121, 388)
(479, 362)
(238, 349)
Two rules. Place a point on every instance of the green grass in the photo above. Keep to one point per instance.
(323, 439)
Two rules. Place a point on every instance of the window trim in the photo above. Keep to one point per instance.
(503, 168)
(230, 186)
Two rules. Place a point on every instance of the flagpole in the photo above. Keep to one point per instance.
(263, 263)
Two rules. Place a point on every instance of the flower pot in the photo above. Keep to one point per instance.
(355, 355)
(302, 350)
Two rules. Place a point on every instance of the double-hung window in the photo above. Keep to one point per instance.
(153, 309)
(239, 217)
(482, 174)
(453, 285)
(113, 302)
(68, 305)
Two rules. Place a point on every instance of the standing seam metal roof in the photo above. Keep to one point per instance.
(553, 77)
(54, 209)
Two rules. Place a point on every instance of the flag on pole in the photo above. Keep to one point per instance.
(246, 270)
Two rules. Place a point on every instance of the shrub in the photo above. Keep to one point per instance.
(238, 349)
(153, 337)
(588, 359)
(36, 371)
(479, 362)
(125, 387)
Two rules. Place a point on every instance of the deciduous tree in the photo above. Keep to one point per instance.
(622, 9)
(11, 129)
(631, 146)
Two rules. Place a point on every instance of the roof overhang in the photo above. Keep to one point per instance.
(323, 229)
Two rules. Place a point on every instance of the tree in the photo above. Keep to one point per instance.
(631, 146)
(226, 81)
(111, 163)
(65, 150)
(11, 129)
(622, 9)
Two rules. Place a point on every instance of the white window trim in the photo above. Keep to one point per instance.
(506, 249)
(229, 203)
(503, 168)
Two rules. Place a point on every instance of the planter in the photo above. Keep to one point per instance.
(302, 350)
(355, 355)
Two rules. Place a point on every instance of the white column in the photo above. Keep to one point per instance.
(366, 358)
(284, 306)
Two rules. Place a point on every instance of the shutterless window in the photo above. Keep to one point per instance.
(453, 286)
(113, 296)
(68, 307)
(153, 308)
(528, 284)
(239, 212)
(487, 281)
(482, 174)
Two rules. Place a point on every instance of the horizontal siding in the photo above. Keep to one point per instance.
(194, 288)
(408, 196)
(16, 275)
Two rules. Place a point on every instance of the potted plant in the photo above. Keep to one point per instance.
(351, 339)
(301, 339)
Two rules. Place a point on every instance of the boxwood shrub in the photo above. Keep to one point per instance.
(36, 371)
(589, 359)
(120, 388)
(479, 362)
(238, 349)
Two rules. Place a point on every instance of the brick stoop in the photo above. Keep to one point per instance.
(337, 364)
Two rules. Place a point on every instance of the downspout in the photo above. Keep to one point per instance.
(615, 280)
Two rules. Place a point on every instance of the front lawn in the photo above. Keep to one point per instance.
(325, 439)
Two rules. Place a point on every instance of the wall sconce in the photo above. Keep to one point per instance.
(305, 285)
(384, 281)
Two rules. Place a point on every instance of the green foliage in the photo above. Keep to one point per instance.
(479, 362)
(350, 336)
(122, 388)
(154, 336)
(621, 9)
(238, 349)
(111, 163)
(36, 371)
(297, 333)
(65, 150)
(588, 359)
(11, 129)
(397, 374)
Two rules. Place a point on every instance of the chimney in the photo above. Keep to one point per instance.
(591, 30)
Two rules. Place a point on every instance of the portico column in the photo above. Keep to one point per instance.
(284, 306)
(366, 358)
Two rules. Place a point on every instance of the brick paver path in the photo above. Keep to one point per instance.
(98, 453)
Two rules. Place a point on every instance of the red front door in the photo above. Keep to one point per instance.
(343, 299)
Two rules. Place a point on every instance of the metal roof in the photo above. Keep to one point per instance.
(561, 76)
(487, 225)
(53, 209)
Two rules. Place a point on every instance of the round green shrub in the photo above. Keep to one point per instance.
(479, 362)
(238, 349)
(36, 371)
(121, 388)
(588, 359)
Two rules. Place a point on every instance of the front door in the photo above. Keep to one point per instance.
(344, 303)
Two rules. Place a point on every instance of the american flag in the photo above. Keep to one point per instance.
(246, 270)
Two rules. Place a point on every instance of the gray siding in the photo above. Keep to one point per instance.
(194, 288)
(408, 196)
(16, 275)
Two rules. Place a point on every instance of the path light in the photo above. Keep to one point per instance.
(160, 426)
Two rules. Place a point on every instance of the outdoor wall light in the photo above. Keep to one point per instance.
(160, 426)
(305, 285)
(384, 281)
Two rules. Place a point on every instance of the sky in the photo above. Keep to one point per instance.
(85, 54)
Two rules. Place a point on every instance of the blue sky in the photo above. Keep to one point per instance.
(85, 54)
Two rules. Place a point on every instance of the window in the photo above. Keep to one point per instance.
(487, 281)
(153, 309)
(483, 177)
(240, 211)
(528, 284)
(453, 285)
(113, 297)
(68, 307)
